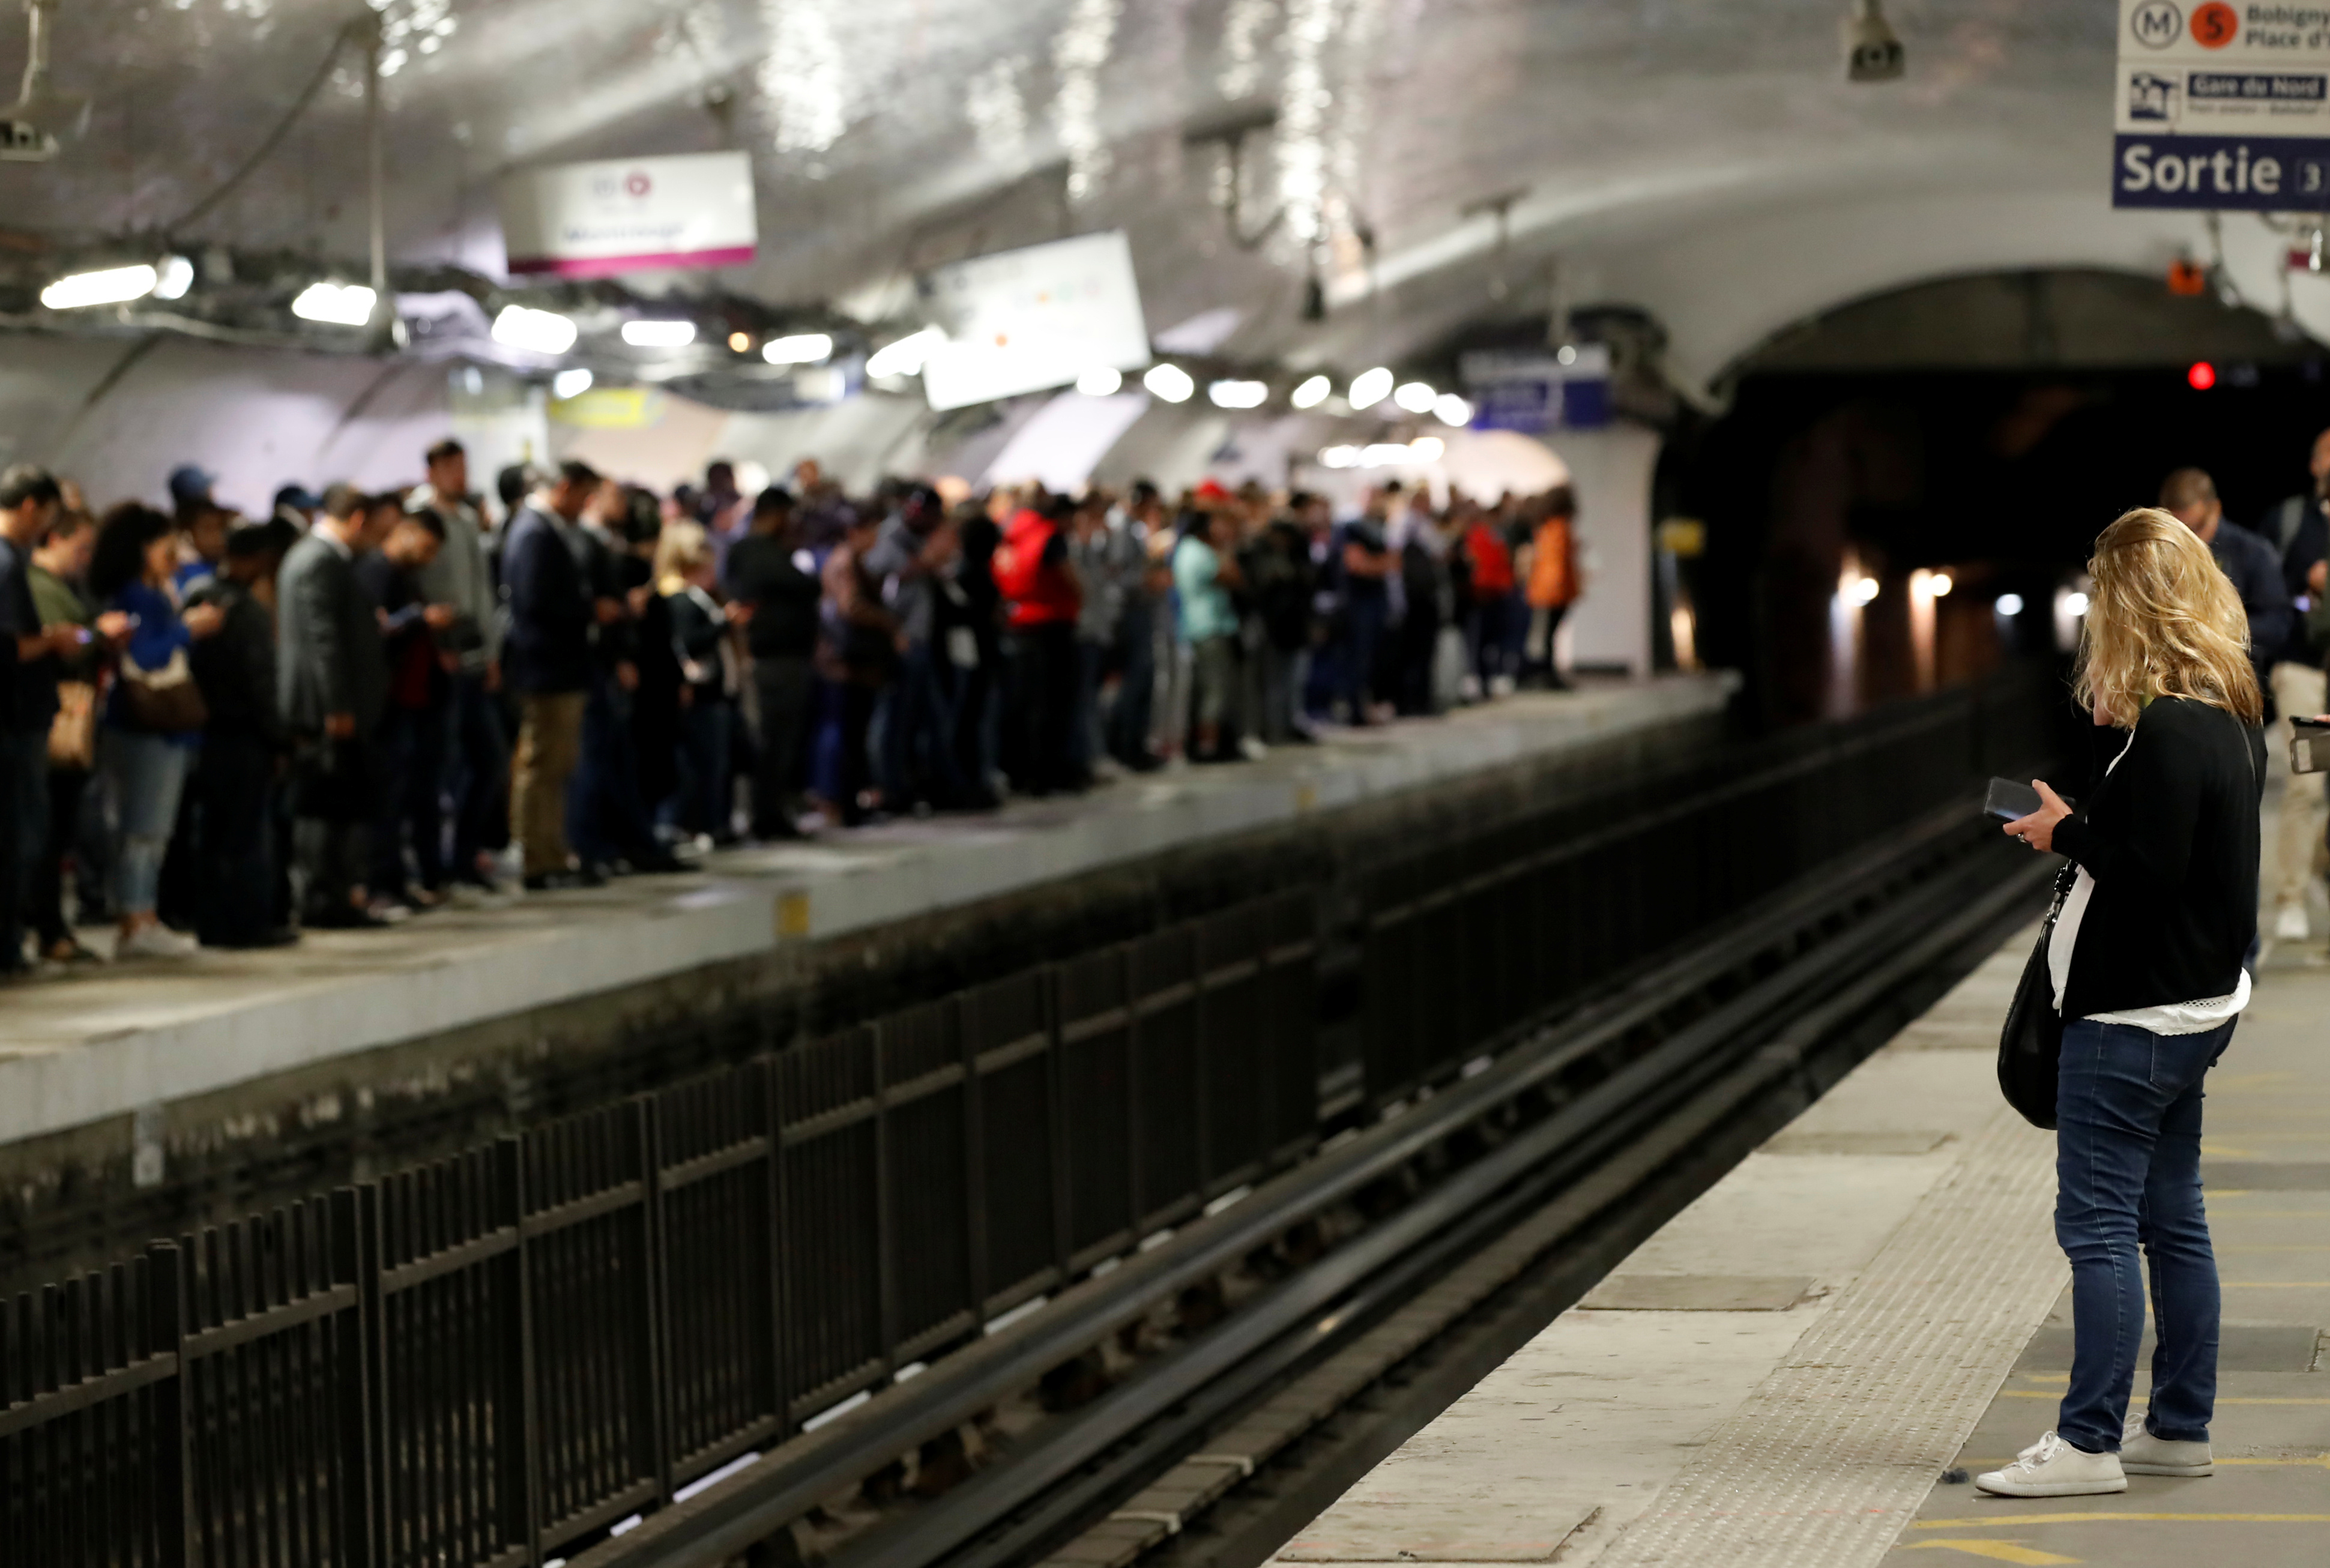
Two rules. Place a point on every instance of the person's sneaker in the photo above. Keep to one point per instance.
(2290, 925)
(2142, 1454)
(155, 941)
(2052, 1467)
(1252, 749)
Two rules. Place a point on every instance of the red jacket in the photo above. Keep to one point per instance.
(1035, 592)
(1493, 564)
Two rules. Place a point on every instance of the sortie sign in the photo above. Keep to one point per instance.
(2223, 106)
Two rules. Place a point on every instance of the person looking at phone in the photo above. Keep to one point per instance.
(2147, 962)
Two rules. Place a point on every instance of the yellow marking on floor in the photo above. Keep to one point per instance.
(2024, 1521)
(2275, 1284)
(1996, 1551)
(2225, 1151)
(2281, 1247)
(2224, 1081)
(2320, 1461)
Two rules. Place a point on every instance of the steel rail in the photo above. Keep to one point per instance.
(785, 1485)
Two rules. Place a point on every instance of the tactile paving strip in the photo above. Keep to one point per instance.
(1834, 1453)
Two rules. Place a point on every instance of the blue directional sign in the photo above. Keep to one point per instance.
(2221, 172)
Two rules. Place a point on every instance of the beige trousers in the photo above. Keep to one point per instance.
(549, 745)
(2298, 853)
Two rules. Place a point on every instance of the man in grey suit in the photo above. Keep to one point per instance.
(333, 680)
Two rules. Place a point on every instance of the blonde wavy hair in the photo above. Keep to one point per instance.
(2163, 621)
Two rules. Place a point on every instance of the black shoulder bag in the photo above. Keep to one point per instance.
(2031, 1047)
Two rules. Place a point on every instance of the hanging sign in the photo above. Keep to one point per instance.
(1536, 392)
(1021, 321)
(631, 214)
(2223, 106)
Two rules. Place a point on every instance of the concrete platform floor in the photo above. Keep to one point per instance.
(107, 1040)
(1783, 1374)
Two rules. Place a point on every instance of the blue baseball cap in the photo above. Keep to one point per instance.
(190, 487)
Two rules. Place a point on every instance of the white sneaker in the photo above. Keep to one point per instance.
(2290, 924)
(2052, 1467)
(2142, 1454)
(156, 942)
(1252, 749)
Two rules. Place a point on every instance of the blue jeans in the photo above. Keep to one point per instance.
(478, 771)
(147, 772)
(2127, 1169)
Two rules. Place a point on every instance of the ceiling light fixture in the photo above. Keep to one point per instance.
(1940, 584)
(1312, 393)
(1451, 410)
(1238, 395)
(1099, 382)
(107, 286)
(1370, 387)
(570, 383)
(2009, 604)
(336, 304)
(800, 348)
(1417, 397)
(647, 334)
(740, 342)
(538, 331)
(1171, 382)
(172, 278)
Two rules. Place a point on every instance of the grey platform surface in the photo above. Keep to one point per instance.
(1685, 1414)
(106, 1041)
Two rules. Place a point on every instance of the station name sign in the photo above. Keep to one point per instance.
(2223, 106)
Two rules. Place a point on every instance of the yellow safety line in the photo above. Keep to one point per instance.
(2049, 1393)
(1996, 1551)
(2276, 1284)
(2020, 1521)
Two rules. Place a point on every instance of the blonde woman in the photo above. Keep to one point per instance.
(2148, 960)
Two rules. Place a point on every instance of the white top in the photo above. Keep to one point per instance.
(2169, 1017)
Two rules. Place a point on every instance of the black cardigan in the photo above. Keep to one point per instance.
(2171, 837)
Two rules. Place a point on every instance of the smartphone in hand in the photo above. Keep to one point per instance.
(2309, 746)
(2008, 801)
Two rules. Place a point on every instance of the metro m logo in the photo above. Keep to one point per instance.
(2156, 23)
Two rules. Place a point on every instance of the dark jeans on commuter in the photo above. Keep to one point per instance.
(1135, 657)
(783, 685)
(334, 801)
(701, 802)
(45, 906)
(1083, 727)
(412, 760)
(1365, 615)
(918, 753)
(234, 904)
(605, 817)
(1043, 708)
(2128, 1168)
(23, 830)
(478, 772)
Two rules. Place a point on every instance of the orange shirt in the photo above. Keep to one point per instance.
(1553, 565)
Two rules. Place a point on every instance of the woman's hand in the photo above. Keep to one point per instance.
(2038, 830)
(204, 620)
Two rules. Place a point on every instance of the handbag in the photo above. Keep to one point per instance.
(73, 733)
(2031, 1047)
(163, 702)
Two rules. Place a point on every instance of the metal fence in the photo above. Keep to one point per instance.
(491, 1359)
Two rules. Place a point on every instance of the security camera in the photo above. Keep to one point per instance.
(1872, 49)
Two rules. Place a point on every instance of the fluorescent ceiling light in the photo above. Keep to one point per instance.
(905, 357)
(1370, 387)
(1099, 382)
(338, 303)
(1171, 382)
(1451, 409)
(1940, 584)
(2010, 604)
(1415, 396)
(800, 348)
(112, 285)
(1312, 393)
(570, 383)
(659, 333)
(1427, 448)
(174, 277)
(1340, 456)
(539, 331)
(1238, 395)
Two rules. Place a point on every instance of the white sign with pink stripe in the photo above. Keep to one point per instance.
(631, 214)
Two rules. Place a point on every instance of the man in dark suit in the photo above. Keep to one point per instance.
(546, 660)
(333, 680)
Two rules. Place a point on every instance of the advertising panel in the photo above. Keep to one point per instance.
(1021, 321)
(618, 215)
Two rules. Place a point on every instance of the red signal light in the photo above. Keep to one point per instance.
(2202, 376)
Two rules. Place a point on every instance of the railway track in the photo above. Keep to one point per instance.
(1200, 1401)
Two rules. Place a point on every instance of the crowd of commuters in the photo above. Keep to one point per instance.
(218, 730)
